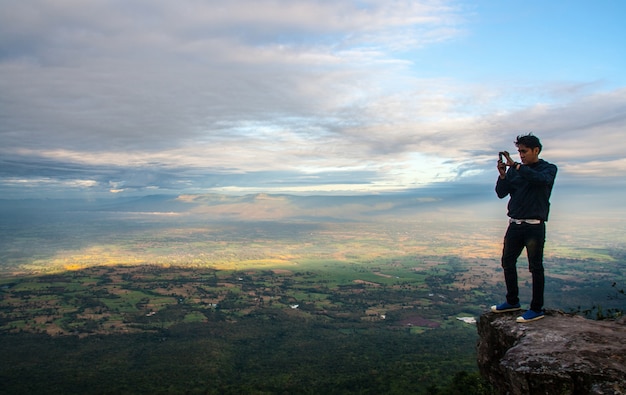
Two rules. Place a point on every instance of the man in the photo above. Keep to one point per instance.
(529, 185)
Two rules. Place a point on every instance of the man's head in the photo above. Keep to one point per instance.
(529, 148)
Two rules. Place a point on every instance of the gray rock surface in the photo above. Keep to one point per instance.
(559, 354)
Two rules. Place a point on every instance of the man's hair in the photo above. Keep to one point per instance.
(528, 140)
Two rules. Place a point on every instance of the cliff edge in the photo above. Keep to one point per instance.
(559, 354)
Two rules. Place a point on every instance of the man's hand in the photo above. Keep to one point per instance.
(502, 169)
(502, 166)
(503, 163)
(507, 156)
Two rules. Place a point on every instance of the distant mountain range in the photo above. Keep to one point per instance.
(265, 206)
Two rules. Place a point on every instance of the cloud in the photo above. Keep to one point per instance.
(584, 134)
(271, 94)
(247, 84)
(149, 75)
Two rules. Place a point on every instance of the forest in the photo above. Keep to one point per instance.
(354, 328)
(131, 303)
(147, 329)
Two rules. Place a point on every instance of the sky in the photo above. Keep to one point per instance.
(116, 98)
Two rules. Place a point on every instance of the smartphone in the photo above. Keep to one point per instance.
(501, 154)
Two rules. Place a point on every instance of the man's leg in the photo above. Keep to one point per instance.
(535, 241)
(513, 245)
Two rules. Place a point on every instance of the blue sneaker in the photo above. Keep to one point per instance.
(530, 315)
(504, 307)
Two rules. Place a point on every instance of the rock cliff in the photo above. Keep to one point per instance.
(560, 354)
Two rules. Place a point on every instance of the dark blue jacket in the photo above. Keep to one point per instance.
(530, 188)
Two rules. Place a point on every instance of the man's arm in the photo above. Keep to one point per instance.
(502, 185)
(503, 188)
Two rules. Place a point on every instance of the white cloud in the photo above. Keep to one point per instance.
(49, 182)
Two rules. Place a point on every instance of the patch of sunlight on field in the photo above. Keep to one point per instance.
(268, 246)
(252, 264)
(598, 254)
(194, 317)
(74, 260)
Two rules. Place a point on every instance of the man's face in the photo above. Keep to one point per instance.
(528, 155)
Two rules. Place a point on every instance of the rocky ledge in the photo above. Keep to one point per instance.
(559, 354)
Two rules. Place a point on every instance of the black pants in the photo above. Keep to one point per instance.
(517, 237)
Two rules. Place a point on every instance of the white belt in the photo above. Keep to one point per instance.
(522, 221)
